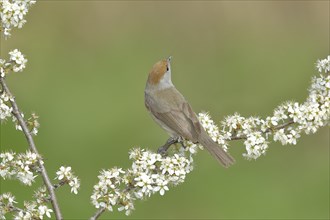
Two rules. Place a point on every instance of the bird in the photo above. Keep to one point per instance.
(171, 111)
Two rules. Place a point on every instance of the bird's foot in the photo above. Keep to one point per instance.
(163, 149)
(180, 140)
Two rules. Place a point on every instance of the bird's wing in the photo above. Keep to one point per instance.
(182, 120)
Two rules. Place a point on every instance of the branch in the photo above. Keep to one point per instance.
(98, 213)
(268, 130)
(163, 149)
(152, 173)
(33, 148)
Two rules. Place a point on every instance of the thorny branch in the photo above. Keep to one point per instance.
(163, 149)
(33, 148)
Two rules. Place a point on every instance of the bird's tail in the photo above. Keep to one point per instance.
(223, 157)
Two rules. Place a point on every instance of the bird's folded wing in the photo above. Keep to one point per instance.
(183, 121)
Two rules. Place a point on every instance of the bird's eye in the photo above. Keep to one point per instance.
(167, 69)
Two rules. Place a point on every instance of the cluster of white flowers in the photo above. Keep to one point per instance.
(251, 129)
(5, 108)
(108, 191)
(41, 195)
(23, 167)
(2, 67)
(33, 210)
(288, 119)
(153, 173)
(16, 63)
(32, 123)
(255, 144)
(323, 65)
(12, 13)
(66, 176)
(7, 203)
(18, 59)
(309, 116)
(6, 112)
(150, 173)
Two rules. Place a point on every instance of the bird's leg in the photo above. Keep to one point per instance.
(163, 149)
(180, 140)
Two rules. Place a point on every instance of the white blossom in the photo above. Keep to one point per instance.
(150, 173)
(323, 65)
(280, 113)
(7, 199)
(23, 216)
(41, 195)
(7, 202)
(18, 59)
(281, 136)
(75, 185)
(256, 145)
(16, 63)
(292, 136)
(126, 203)
(5, 107)
(161, 185)
(2, 68)
(135, 153)
(12, 13)
(16, 122)
(23, 167)
(145, 182)
(44, 210)
(65, 175)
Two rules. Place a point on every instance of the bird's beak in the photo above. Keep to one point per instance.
(169, 59)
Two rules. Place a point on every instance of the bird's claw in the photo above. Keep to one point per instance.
(162, 150)
(172, 140)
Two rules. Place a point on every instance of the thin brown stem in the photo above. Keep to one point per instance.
(11, 208)
(17, 114)
(97, 214)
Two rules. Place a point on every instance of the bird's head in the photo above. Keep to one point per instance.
(160, 74)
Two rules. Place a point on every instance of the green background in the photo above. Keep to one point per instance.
(88, 63)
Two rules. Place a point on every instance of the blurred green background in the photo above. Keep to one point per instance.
(88, 63)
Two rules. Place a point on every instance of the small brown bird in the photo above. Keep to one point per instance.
(173, 113)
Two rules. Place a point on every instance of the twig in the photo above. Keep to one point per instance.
(163, 149)
(98, 213)
(33, 148)
(12, 208)
(234, 138)
(59, 184)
